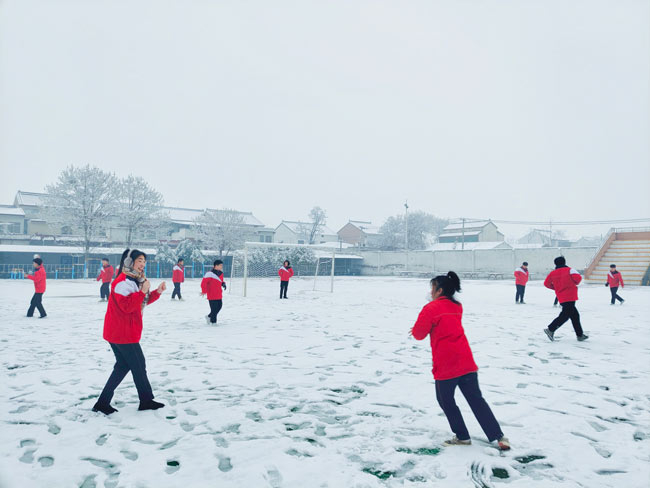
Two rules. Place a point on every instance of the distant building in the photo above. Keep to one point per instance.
(12, 220)
(360, 233)
(535, 236)
(296, 232)
(471, 231)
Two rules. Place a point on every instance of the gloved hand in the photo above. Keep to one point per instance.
(223, 285)
(606, 284)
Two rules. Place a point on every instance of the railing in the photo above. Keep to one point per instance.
(600, 252)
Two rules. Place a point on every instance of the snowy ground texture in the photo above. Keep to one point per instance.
(323, 390)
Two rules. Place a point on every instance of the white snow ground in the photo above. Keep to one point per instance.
(323, 390)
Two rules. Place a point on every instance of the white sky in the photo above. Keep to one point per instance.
(502, 109)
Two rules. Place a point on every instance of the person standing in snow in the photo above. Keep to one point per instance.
(131, 293)
(212, 285)
(178, 277)
(614, 280)
(39, 278)
(106, 276)
(453, 363)
(285, 273)
(564, 281)
(521, 278)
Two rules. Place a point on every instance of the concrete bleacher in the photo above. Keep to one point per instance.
(629, 250)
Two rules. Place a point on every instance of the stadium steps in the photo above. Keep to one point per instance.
(628, 250)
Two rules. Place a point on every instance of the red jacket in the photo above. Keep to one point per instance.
(39, 278)
(212, 284)
(106, 274)
(521, 276)
(285, 274)
(615, 279)
(123, 320)
(441, 319)
(178, 275)
(565, 282)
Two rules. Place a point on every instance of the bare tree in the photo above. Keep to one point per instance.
(140, 207)
(83, 199)
(423, 227)
(221, 230)
(318, 219)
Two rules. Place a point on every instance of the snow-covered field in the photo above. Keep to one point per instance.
(323, 390)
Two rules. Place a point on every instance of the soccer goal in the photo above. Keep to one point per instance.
(254, 269)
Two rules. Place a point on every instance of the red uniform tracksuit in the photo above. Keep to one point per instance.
(123, 330)
(453, 365)
(213, 284)
(178, 277)
(40, 283)
(106, 276)
(521, 278)
(285, 275)
(614, 280)
(564, 281)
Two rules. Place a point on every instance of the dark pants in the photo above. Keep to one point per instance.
(37, 302)
(215, 306)
(555, 301)
(128, 357)
(284, 285)
(521, 289)
(569, 311)
(468, 385)
(177, 291)
(105, 290)
(614, 290)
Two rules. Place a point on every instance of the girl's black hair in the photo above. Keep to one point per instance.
(449, 284)
(287, 261)
(135, 254)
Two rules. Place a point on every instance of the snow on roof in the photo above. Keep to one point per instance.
(297, 227)
(460, 234)
(30, 199)
(65, 249)
(478, 224)
(11, 210)
(188, 215)
(366, 227)
(469, 246)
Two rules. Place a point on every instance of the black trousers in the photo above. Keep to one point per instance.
(284, 286)
(468, 385)
(215, 306)
(177, 290)
(555, 301)
(614, 290)
(105, 290)
(128, 357)
(569, 311)
(521, 289)
(37, 302)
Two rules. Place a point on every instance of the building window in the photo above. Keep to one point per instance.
(262, 239)
(301, 241)
(269, 239)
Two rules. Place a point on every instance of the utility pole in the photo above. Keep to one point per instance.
(462, 246)
(406, 232)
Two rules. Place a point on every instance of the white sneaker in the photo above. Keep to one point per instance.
(455, 441)
(504, 444)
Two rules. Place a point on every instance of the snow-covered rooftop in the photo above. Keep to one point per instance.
(11, 210)
(298, 227)
(468, 225)
(460, 234)
(30, 199)
(366, 227)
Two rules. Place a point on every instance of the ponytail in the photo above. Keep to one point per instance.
(449, 284)
(124, 255)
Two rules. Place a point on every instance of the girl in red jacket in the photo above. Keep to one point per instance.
(106, 276)
(40, 279)
(212, 285)
(123, 329)
(453, 363)
(285, 273)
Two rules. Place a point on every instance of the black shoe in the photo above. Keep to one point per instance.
(622, 301)
(105, 409)
(523, 303)
(43, 316)
(151, 405)
(583, 337)
(549, 333)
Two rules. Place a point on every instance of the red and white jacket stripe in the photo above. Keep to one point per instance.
(564, 281)
(211, 284)
(39, 278)
(123, 320)
(521, 276)
(106, 274)
(285, 274)
(615, 280)
(178, 275)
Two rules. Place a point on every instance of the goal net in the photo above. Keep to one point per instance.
(254, 270)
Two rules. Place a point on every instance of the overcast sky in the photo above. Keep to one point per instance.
(503, 109)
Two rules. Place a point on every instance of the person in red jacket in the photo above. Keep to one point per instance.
(106, 276)
(212, 285)
(453, 363)
(285, 273)
(40, 280)
(131, 292)
(178, 277)
(521, 278)
(614, 280)
(564, 281)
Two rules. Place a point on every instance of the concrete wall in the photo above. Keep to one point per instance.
(481, 261)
